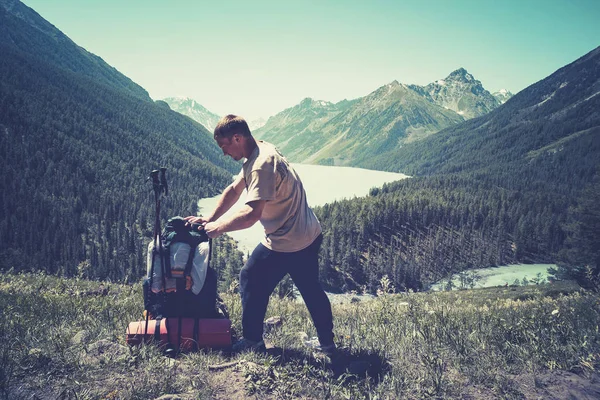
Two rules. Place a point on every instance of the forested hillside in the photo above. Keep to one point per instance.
(76, 148)
(496, 189)
(22, 28)
(547, 129)
(420, 230)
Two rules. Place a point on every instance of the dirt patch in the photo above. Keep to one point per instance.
(548, 385)
(560, 385)
(228, 384)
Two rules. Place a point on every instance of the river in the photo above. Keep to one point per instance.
(503, 275)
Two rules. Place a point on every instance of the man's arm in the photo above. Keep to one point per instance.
(228, 198)
(244, 218)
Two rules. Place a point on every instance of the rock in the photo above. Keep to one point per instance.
(35, 352)
(272, 323)
(303, 336)
(35, 358)
(106, 346)
(79, 338)
(104, 351)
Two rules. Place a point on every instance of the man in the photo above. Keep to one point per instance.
(292, 239)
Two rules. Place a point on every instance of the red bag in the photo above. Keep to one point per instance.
(183, 333)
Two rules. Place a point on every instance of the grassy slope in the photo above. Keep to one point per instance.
(66, 338)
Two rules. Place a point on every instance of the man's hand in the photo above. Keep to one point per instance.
(212, 230)
(199, 221)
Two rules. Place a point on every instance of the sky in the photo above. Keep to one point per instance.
(256, 58)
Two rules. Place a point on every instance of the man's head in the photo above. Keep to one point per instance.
(234, 137)
(231, 125)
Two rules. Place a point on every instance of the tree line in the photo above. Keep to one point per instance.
(417, 231)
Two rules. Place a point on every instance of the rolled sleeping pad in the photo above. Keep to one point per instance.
(211, 333)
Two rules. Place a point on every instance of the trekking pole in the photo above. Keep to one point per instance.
(159, 186)
(163, 180)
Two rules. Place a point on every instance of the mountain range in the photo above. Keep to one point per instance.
(194, 110)
(461, 93)
(382, 120)
(197, 112)
(354, 132)
(552, 125)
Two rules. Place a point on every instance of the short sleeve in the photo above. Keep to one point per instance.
(261, 184)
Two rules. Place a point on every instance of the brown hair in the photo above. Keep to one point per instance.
(230, 125)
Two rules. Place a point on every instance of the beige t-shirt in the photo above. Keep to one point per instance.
(290, 224)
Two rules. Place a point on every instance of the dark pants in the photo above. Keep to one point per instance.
(261, 274)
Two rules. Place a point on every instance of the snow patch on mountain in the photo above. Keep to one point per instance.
(502, 95)
(256, 123)
(194, 110)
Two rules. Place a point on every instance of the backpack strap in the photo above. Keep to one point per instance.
(190, 262)
(179, 335)
(157, 330)
(193, 240)
(209, 252)
(166, 259)
(168, 332)
(195, 337)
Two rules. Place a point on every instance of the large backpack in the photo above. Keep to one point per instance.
(179, 281)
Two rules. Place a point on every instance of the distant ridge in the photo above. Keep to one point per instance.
(197, 112)
(551, 123)
(301, 119)
(355, 132)
(502, 95)
(194, 110)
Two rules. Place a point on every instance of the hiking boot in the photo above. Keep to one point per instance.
(321, 352)
(244, 345)
(329, 350)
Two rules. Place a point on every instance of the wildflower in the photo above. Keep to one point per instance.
(555, 312)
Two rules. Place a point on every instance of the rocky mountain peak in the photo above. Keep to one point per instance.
(462, 93)
(312, 103)
(461, 74)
